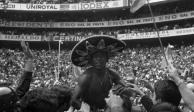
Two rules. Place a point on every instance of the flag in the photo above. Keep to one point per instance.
(169, 55)
(136, 4)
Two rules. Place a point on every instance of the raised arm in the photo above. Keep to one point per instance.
(115, 102)
(25, 80)
(186, 93)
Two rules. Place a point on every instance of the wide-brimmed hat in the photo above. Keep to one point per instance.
(83, 51)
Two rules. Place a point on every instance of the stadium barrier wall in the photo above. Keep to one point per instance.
(128, 22)
(129, 36)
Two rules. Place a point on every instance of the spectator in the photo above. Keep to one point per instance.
(56, 99)
(165, 91)
(8, 96)
(165, 107)
(95, 83)
(186, 93)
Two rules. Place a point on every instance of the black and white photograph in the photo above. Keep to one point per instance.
(96, 55)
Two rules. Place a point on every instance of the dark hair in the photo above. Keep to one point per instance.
(64, 95)
(45, 100)
(164, 107)
(127, 105)
(8, 101)
(167, 91)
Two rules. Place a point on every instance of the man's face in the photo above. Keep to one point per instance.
(99, 60)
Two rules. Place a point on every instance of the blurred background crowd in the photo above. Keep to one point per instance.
(135, 63)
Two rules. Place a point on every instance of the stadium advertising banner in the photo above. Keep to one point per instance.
(69, 7)
(128, 22)
(10, 6)
(20, 37)
(100, 5)
(62, 7)
(147, 35)
(130, 36)
(68, 38)
(40, 7)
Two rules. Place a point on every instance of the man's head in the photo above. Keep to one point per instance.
(167, 91)
(83, 51)
(99, 59)
(8, 99)
(45, 100)
(164, 107)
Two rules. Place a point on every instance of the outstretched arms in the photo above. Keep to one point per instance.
(186, 93)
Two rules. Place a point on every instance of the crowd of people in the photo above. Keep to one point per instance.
(132, 64)
(12, 63)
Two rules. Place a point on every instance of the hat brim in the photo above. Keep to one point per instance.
(80, 54)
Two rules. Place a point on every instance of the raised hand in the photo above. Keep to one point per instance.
(173, 73)
(85, 107)
(169, 54)
(118, 89)
(28, 53)
(28, 57)
(147, 84)
(135, 89)
(114, 100)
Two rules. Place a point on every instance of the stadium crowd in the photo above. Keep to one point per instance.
(133, 64)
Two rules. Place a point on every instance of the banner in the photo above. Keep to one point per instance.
(20, 37)
(66, 7)
(40, 7)
(62, 7)
(101, 5)
(147, 35)
(148, 20)
(68, 38)
(9, 6)
(69, 7)
(74, 38)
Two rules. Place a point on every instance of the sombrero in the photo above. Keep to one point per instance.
(82, 51)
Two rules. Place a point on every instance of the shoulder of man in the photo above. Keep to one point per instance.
(114, 75)
(85, 77)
